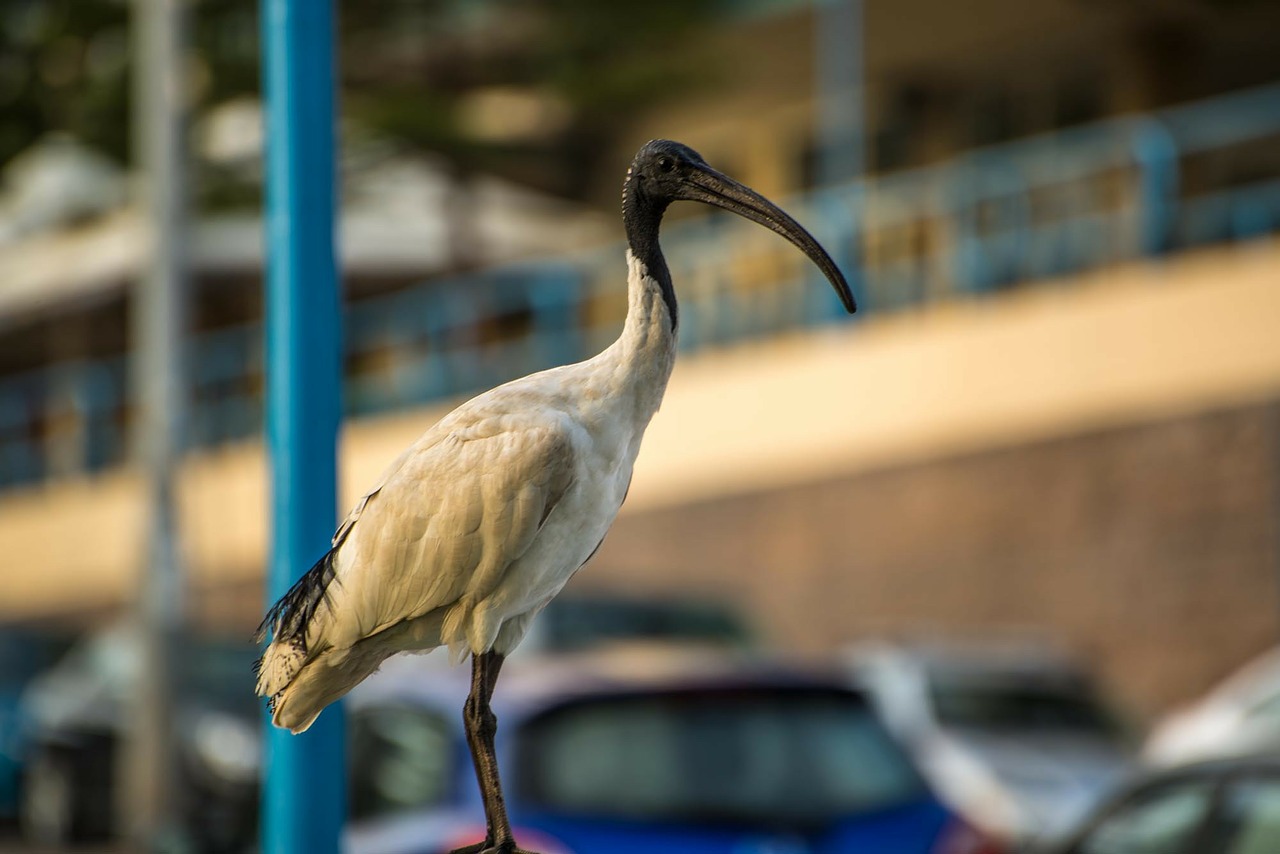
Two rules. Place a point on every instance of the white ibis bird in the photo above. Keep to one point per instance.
(473, 529)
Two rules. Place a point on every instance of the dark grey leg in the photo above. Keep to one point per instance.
(481, 726)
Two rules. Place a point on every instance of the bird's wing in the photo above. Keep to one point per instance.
(444, 525)
(390, 471)
(289, 617)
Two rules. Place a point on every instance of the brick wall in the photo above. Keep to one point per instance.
(1150, 550)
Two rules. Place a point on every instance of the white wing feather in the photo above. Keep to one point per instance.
(430, 543)
(444, 527)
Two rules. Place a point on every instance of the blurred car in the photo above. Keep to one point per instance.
(1240, 717)
(642, 751)
(24, 652)
(1219, 807)
(1014, 737)
(79, 712)
(573, 622)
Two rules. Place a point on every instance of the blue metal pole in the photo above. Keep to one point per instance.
(1156, 154)
(304, 796)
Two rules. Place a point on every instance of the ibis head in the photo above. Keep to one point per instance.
(664, 172)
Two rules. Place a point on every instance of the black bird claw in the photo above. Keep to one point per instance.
(487, 847)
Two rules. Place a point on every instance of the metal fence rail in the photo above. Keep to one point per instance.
(986, 221)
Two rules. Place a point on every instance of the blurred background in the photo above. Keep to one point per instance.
(1023, 510)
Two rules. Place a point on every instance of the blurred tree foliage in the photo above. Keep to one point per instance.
(601, 60)
(63, 67)
(411, 71)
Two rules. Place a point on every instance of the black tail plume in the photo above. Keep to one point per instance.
(288, 618)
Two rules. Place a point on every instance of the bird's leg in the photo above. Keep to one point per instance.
(481, 725)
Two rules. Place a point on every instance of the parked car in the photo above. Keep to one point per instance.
(1014, 737)
(1240, 717)
(24, 652)
(642, 751)
(78, 714)
(1218, 807)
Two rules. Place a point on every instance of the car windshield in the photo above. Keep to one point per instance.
(996, 705)
(208, 671)
(761, 757)
(23, 654)
(580, 623)
(219, 673)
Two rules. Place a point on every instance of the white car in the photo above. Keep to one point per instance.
(1240, 717)
(1013, 737)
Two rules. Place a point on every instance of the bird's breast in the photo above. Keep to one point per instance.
(575, 528)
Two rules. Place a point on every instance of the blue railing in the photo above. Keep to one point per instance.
(988, 220)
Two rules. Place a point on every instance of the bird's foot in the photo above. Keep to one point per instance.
(490, 847)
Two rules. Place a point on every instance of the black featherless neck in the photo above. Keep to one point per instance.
(641, 217)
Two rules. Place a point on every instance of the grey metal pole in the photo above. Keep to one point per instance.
(838, 61)
(159, 326)
(840, 134)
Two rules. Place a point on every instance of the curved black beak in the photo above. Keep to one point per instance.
(704, 184)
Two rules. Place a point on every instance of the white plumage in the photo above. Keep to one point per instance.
(473, 529)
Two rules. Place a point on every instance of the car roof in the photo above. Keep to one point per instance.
(973, 659)
(531, 684)
(1214, 770)
(1218, 767)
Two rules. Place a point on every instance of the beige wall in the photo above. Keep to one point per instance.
(1121, 346)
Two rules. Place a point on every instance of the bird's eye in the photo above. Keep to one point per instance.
(666, 164)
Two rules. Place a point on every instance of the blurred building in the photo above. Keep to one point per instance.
(1059, 413)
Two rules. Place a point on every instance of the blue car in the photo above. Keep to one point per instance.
(682, 753)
